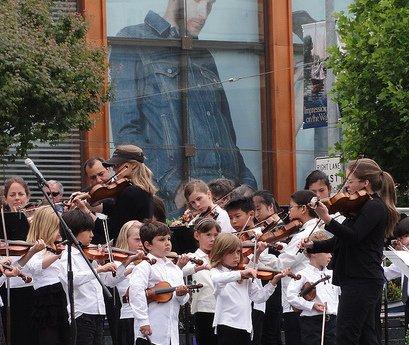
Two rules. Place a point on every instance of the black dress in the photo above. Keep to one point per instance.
(21, 298)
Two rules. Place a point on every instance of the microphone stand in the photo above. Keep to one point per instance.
(72, 240)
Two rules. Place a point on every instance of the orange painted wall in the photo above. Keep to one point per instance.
(280, 94)
(96, 140)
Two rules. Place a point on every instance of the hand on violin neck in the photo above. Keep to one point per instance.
(181, 290)
(318, 306)
(261, 246)
(248, 273)
(109, 267)
(14, 272)
(131, 258)
(202, 267)
(38, 246)
(280, 275)
(182, 260)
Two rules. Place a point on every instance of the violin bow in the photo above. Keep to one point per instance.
(323, 323)
(242, 231)
(104, 219)
(8, 307)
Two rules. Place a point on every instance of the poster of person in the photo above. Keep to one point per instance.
(315, 96)
(150, 102)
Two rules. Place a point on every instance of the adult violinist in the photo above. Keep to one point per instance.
(135, 200)
(357, 251)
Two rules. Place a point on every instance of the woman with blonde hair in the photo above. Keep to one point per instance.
(357, 248)
(50, 317)
(134, 202)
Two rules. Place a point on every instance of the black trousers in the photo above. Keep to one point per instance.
(406, 316)
(113, 313)
(126, 334)
(311, 327)
(232, 336)
(204, 331)
(291, 328)
(90, 329)
(257, 318)
(272, 319)
(357, 313)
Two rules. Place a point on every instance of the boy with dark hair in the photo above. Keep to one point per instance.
(158, 322)
(311, 317)
(241, 213)
(88, 297)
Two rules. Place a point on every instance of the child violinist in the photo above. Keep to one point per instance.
(88, 295)
(267, 210)
(199, 198)
(158, 322)
(50, 317)
(326, 298)
(318, 183)
(128, 239)
(234, 292)
(241, 211)
(203, 302)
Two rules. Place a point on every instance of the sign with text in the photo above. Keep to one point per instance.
(315, 96)
(332, 167)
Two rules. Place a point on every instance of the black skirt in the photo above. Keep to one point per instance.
(50, 306)
(21, 306)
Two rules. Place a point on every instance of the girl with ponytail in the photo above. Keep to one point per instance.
(357, 248)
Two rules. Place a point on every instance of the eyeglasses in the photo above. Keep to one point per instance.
(292, 206)
(54, 194)
(350, 181)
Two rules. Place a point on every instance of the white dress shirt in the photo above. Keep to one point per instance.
(43, 277)
(391, 272)
(88, 295)
(163, 318)
(234, 296)
(203, 300)
(326, 292)
(290, 258)
(123, 286)
(223, 220)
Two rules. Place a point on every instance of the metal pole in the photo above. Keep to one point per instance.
(334, 133)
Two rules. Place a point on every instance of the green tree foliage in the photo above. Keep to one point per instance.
(51, 80)
(372, 85)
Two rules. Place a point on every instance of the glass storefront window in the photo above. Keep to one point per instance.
(197, 111)
(309, 30)
(227, 20)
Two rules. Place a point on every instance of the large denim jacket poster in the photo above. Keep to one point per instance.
(146, 109)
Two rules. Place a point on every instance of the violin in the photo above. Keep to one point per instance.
(274, 234)
(265, 273)
(101, 191)
(162, 292)
(19, 248)
(97, 253)
(309, 291)
(344, 203)
(175, 257)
